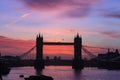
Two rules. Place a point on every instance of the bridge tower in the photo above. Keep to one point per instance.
(39, 62)
(77, 61)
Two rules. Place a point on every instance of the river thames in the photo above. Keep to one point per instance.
(64, 73)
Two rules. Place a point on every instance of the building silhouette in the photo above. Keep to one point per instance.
(109, 55)
(110, 60)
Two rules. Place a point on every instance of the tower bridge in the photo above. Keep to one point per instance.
(78, 47)
(77, 61)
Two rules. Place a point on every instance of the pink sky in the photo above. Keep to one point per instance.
(98, 21)
(9, 46)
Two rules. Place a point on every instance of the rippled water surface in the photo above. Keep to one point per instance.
(64, 73)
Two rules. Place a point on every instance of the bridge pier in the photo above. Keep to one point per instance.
(39, 62)
(78, 63)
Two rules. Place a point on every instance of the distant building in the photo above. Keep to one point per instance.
(10, 58)
(109, 55)
(55, 58)
(47, 58)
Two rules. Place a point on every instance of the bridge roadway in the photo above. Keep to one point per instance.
(58, 43)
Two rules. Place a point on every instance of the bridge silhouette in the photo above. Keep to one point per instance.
(77, 61)
(58, 43)
(78, 47)
(84, 49)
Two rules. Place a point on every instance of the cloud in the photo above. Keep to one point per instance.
(78, 12)
(112, 34)
(72, 30)
(13, 46)
(52, 4)
(25, 15)
(17, 19)
(111, 9)
(46, 4)
(113, 14)
(70, 8)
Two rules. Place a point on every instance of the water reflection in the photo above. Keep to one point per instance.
(38, 72)
(77, 74)
(64, 73)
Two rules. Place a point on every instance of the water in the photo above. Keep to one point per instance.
(65, 73)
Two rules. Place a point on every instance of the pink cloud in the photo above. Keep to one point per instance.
(73, 30)
(70, 8)
(51, 4)
(20, 18)
(13, 46)
(111, 34)
(78, 12)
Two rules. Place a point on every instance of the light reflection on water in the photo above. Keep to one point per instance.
(64, 73)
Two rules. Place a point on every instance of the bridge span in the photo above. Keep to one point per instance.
(58, 43)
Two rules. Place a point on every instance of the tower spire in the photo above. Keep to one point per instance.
(39, 35)
(77, 34)
(108, 50)
(39, 63)
(77, 61)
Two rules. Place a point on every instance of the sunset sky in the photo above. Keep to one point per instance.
(98, 21)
